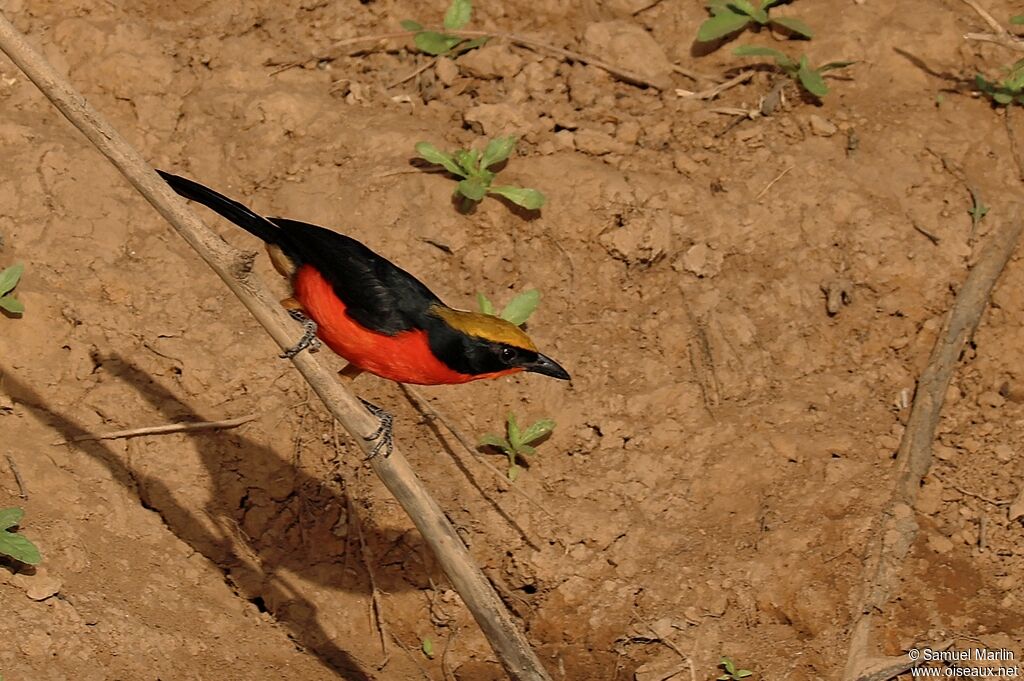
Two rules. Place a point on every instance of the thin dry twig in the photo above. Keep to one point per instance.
(235, 270)
(622, 74)
(22, 491)
(772, 183)
(896, 528)
(418, 71)
(969, 493)
(162, 430)
(713, 92)
(668, 643)
(999, 34)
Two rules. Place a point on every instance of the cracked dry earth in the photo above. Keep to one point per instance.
(727, 442)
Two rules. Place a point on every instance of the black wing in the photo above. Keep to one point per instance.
(377, 293)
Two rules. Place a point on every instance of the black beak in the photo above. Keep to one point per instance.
(547, 366)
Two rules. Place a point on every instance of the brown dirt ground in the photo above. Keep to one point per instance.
(725, 445)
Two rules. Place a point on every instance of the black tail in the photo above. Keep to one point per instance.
(256, 225)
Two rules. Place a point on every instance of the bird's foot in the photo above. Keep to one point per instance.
(308, 340)
(384, 434)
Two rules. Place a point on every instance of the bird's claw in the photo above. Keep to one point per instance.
(308, 340)
(385, 431)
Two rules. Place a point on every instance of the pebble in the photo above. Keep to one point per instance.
(940, 544)
(629, 46)
(821, 126)
(991, 399)
(447, 71)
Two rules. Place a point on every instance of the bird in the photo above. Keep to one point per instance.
(377, 316)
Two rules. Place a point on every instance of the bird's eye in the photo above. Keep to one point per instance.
(508, 355)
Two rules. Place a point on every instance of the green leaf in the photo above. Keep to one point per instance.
(757, 51)
(538, 430)
(428, 647)
(434, 155)
(485, 304)
(458, 14)
(1000, 97)
(530, 199)
(410, 25)
(473, 188)
(514, 436)
(19, 548)
(9, 517)
(768, 4)
(492, 440)
(498, 149)
(743, 673)
(466, 160)
(521, 307)
(755, 13)
(12, 305)
(526, 449)
(1017, 19)
(812, 81)
(468, 45)
(721, 25)
(728, 664)
(10, 276)
(794, 25)
(435, 43)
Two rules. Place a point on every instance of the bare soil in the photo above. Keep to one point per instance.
(725, 446)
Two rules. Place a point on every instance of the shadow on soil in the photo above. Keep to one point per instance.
(274, 516)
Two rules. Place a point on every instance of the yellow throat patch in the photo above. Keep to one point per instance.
(485, 326)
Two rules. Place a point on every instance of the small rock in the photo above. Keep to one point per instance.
(629, 46)
(38, 586)
(685, 164)
(598, 143)
(1003, 452)
(628, 132)
(565, 140)
(703, 261)
(644, 239)
(929, 499)
(497, 119)
(991, 399)
(447, 71)
(1017, 507)
(821, 126)
(940, 544)
(490, 62)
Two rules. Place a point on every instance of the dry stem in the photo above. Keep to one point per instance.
(896, 528)
(162, 430)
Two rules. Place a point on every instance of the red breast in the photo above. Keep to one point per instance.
(404, 357)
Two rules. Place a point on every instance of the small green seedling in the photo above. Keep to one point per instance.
(518, 443)
(733, 16)
(801, 71)
(731, 673)
(437, 43)
(8, 280)
(978, 210)
(474, 169)
(1006, 91)
(14, 545)
(518, 309)
(427, 647)
(1017, 19)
